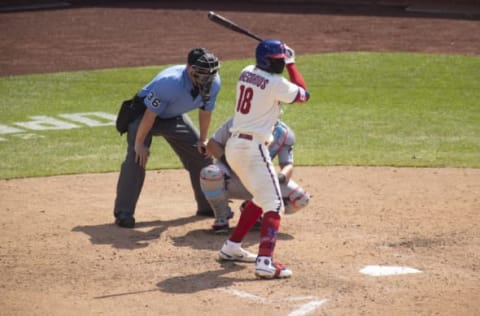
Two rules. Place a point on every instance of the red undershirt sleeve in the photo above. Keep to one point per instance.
(295, 76)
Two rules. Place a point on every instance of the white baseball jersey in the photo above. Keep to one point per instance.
(258, 106)
(258, 102)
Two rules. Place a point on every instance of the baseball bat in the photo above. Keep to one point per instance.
(216, 18)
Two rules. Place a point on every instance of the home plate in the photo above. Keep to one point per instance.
(387, 270)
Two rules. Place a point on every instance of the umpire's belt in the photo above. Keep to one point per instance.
(246, 136)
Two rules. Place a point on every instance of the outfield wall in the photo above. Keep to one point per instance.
(383, 2)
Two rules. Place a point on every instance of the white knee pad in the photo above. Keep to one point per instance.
(212, 180)
(296, 200)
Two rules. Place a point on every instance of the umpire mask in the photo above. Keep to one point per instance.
(205, 67)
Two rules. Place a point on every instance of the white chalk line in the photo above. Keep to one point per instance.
(302, 310)
(314, 303)
(244, 294)
(308, 308)
(300, 298)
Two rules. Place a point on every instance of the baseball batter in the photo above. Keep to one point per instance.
(220, 184)
(261, 91)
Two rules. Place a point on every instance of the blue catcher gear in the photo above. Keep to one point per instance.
(270, 55)
(212, 182)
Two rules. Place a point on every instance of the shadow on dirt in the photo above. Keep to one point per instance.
(207, 280)
(201, 239)
(193, 283)
(122, 238)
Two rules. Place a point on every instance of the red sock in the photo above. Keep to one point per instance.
(268, 233)
(248, 217)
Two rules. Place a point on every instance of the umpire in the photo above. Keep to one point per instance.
(165, 102)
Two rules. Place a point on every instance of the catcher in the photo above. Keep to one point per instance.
(220, 184)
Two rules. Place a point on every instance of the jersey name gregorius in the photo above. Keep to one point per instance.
(258, 101)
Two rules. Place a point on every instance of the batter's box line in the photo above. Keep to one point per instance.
(312, 304)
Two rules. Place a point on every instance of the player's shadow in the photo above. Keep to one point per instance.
(186, 284)
(122, 238)
(204, 239)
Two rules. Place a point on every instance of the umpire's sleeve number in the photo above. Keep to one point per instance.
(154, 101)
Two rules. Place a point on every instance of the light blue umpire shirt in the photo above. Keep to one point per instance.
(169, 94)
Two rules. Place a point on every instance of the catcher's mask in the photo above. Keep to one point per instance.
(270, 56)
(205, 67)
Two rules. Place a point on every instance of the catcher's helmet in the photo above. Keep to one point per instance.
(270, 55)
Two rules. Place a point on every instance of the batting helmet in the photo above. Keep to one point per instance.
(270, 55)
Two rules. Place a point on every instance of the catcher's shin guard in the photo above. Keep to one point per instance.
(212, 182)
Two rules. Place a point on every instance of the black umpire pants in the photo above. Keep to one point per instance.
(182, 135)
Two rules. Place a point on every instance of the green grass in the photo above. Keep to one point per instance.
(391, 109)
(368, 109)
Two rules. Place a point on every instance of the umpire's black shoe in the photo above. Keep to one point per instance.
(206, 212)
(125, 221)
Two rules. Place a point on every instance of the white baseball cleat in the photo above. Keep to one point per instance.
(232, 251)
(267, 269)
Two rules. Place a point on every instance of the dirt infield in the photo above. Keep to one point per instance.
(60, 254)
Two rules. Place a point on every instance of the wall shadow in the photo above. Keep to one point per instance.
(466, 9)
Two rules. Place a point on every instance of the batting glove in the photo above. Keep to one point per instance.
(290, 59)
